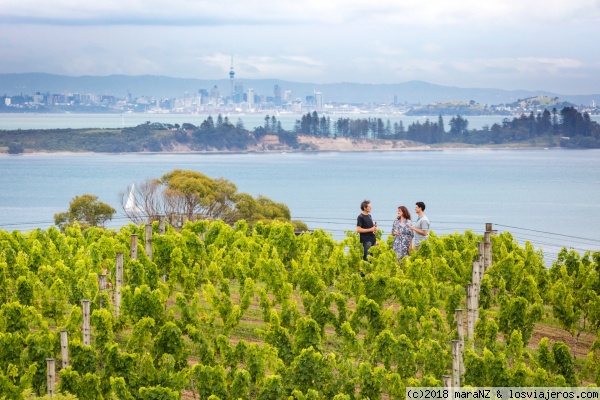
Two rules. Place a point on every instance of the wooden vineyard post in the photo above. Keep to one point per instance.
(458, 313)
(487, 250)
(488, 228)
(86, 322)
(149, 241)
(64, 348)
(119, 283)
(476, 283)
(475, 274)
(487, 243)
(102, 281)
(455, 364)
(481, 259)
(101, 286)
(472, 303)
(161, 225)
(50, 375)
(133, 254)
(447, 382)
(447, 379)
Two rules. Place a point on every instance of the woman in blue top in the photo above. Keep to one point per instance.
(403, 236)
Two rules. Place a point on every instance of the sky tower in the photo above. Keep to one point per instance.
(231, 75)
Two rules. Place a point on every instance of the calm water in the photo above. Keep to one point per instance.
(549, 197)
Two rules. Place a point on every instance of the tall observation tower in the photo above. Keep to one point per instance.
(231, 76)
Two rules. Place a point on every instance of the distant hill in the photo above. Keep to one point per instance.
(413, 92)
(541, 102)
(455, 108)
(473, 108)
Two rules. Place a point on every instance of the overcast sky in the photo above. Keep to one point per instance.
(509, 44)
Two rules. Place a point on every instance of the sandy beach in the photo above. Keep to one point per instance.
(348, 144)
(313, 143)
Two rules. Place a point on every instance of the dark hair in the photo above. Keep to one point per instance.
(365, 204)
(421, 205)
(405, 212)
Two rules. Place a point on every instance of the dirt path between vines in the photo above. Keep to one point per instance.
(554, 334)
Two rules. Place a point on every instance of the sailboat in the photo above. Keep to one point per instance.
(131, 205)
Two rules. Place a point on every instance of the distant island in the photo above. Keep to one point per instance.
(566, 128)
(472, 108)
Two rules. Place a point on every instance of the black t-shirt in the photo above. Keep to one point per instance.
(365, 222)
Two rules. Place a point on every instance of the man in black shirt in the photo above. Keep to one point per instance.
(366, 228)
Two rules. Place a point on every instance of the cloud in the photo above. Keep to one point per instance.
(387, 49)
(161, 13)
(283, 12)
(529, 65)
(514, 43)
(254, 67)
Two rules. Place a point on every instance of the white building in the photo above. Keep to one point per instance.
(297, 105)
(287, 96)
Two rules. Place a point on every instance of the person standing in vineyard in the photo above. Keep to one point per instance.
(403, 236)
(421, 226)
(366, 228)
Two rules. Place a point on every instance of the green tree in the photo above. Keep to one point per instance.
(563, 362)
(262, 209)
(86, 210)
(517, 313)
(196, 193)
(458, 127)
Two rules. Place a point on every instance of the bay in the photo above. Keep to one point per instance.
(548, 197)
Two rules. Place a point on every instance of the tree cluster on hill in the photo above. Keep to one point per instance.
(220, 135)
(457, 108)
(141, 138)
(574, 129)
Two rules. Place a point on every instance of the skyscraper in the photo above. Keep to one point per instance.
(319, 101)
(277, 95)
(214, 92)
(231, 76)
(238, 92)
(250, 99)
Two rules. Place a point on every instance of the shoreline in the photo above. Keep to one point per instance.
(270, 144)
(294, 151)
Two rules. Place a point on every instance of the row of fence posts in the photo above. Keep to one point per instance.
(480, 266)
(85, 304)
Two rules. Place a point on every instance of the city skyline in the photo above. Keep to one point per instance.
(511, 45)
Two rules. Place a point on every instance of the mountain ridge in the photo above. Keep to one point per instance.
(159, 86)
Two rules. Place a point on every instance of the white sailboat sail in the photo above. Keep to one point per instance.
(131, 205)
